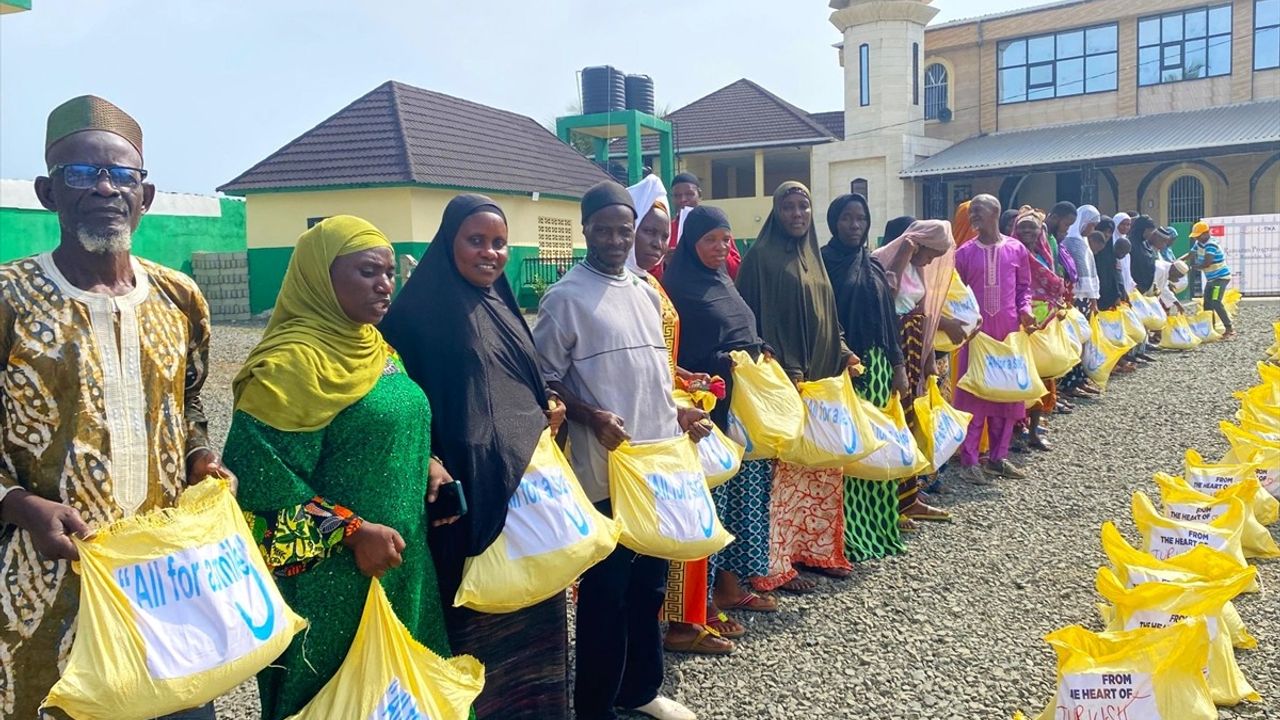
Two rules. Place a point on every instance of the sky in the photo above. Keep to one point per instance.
(217, 85)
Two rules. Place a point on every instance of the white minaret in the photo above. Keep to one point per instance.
(883, 105)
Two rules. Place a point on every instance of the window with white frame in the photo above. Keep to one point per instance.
(935, 89)
(1266, 34)
(1186, 200)
(1072, 62)
(1184, 45)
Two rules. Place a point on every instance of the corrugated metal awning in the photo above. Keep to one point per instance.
(1243, 127)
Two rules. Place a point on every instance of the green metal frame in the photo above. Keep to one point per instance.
(15, 5)
(631, 124)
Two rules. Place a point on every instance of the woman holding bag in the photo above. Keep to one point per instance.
(864, 300)
(918, 267)
(462, 338)
(330, 439)
(716, 321)
(783, 281)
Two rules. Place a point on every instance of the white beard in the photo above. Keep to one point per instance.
(111, 243)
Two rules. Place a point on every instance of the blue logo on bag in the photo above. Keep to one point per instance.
(900, 438)
(685, 487)
(717, 450)
(1114, 331)
(1015, 365)
(828, 413)
(738, 432)
(539, 486)
(946, 425)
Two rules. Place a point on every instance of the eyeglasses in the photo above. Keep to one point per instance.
(82, 176)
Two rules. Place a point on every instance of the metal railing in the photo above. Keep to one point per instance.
(545, 271)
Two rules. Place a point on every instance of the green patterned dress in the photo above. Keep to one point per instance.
(870, 507)
(297, 488)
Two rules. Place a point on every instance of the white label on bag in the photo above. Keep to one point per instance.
(543, 515)
(897, 448)
(1092, 358)
(1182, 335)
(1106, 696)
(1201, 329)
(715, 455)
(685, 512)
(830, 427)
(397, 704)
(1113, 330)
(948, 436)
(1208, 482)
(1007, 373)
(1194, 513)
(201, 607)
(1162, 619)
(1172, 542)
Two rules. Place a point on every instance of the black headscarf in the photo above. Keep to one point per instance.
(1110, 286)
(864, 299)
(895, 227)
(1142, 265)
(785, 285)
(471, 351)
(714, 319)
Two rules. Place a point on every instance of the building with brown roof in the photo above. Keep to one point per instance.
(395, 157)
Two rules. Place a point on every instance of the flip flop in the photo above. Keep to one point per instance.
(697, 646)
(722, 624)
(806, 587)
(751, 602)
(833, 573)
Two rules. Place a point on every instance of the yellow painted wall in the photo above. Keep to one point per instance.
(746, 215)
(404, 214)
(277, 219)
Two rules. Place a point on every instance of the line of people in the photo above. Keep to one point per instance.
(357, 411)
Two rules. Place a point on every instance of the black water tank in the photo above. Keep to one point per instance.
(604, 88)
(640, 93)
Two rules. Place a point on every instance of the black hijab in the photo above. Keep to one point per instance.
(1142, 265)
(714, 319)
(895, 227)
(471, 351)
(1110, 286)
(864, 299)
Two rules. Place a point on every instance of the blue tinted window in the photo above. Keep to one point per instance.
(1072, 62)
(1185, 45)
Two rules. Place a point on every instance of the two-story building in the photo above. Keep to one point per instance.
(1167, 107)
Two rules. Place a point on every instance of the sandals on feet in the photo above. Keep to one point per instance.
(727, 627)
(707, 642)
(799, 585)
(751, 602)
(923, 511)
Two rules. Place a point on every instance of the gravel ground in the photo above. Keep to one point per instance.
(953, 629)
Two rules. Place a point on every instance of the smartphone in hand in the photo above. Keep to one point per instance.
(449, 502)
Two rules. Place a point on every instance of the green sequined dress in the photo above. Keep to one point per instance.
(373, 459)
(870, 507)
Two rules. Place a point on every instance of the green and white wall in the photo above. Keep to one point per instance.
(177, 226)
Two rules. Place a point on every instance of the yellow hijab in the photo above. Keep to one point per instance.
(313, 361)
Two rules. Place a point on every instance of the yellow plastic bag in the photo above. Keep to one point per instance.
(387, 674)
(1052, 350)
(1133, 326)
(940, 429)
(960, 305)
(1161, 605)
(1212, 478)
(1111, 324)
(1165, 538)
(1002, 371)
(1260, 413)
(836, 431)
(1177, 334)
(721, 457)
(1261, 453)
(1203, 326)
(552, 535)
(1269, 373)
(1100, 353)
(1150, 311)
(1200, 564)
(1077, 326)
(176, 608)
(765, 414)
(1145, 674)
(1180, 502)
(899, 456)
(660, 496)
(1231, 301)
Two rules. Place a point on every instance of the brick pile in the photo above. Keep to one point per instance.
(224, 280)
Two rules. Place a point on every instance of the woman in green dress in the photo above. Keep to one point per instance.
(331, 441)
